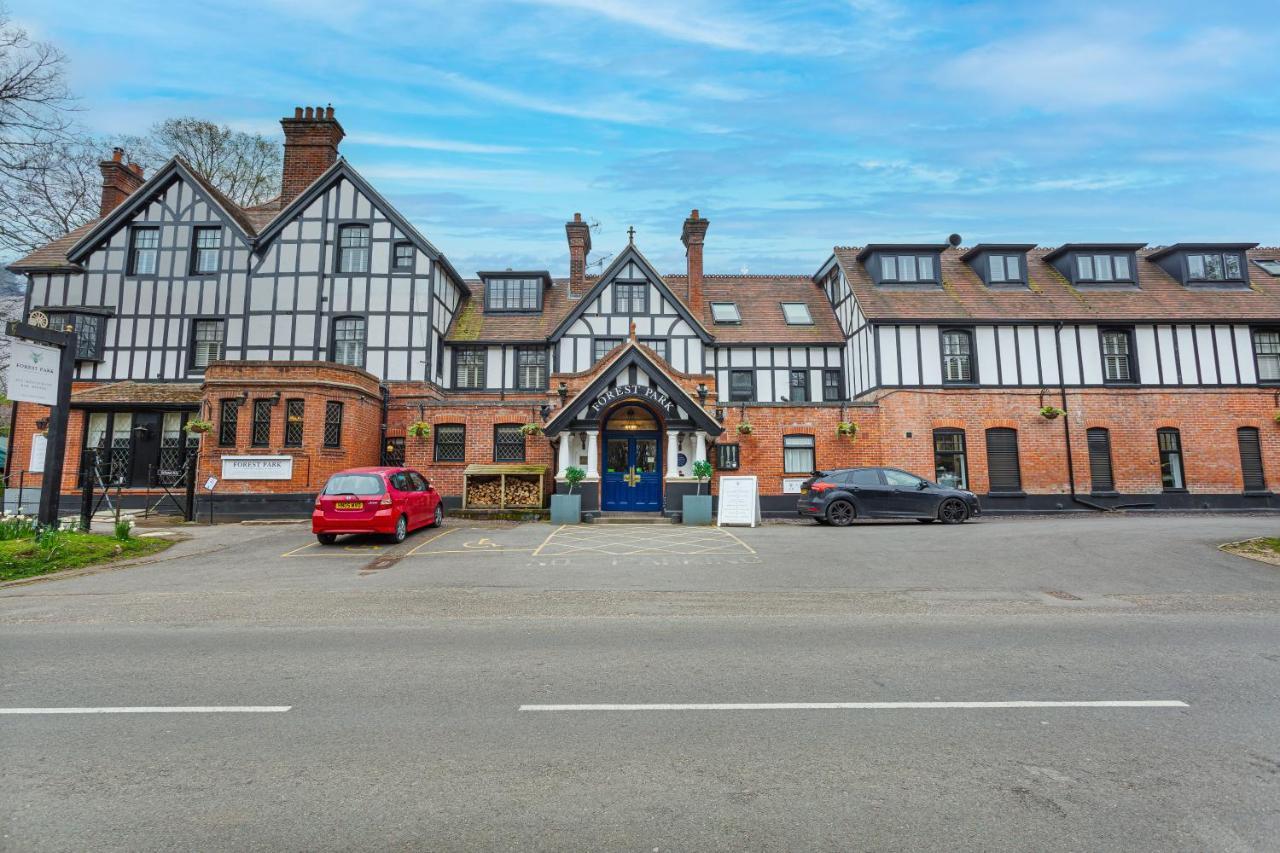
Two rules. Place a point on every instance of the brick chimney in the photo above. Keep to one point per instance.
(579, 234)
(693, 235)
(311, 140)
(119, 180)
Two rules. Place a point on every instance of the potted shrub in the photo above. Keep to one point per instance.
(744, 428)
(198, 426)
(848, 428)
(1051, 412)
(697, 508)
(531, 429)
(419, 429)
(567, 509)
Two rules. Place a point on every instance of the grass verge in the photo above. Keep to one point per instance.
(24, 558)
(1265, 549)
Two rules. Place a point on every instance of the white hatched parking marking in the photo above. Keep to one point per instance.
(861, 706)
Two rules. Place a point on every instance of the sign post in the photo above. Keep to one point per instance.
(41, 365)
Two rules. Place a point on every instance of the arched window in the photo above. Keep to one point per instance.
(957, 357)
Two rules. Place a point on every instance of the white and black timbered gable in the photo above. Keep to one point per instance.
(629, 291)
(633, 375)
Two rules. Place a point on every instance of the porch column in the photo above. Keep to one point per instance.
(565, 438)
(699, 446)
(673, 451)
(593, 462)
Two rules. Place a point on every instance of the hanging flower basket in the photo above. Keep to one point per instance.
(1276, 416)
(745, 428)
(848, 428)
(196, 426)
(419, 429)
(531, 429)
(1051, 412)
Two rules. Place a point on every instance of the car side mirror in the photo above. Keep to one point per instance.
(429, 489)
(922, 486)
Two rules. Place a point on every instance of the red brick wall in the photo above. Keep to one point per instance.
(1206, 418)
(316, 383)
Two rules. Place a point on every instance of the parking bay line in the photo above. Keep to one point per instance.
(861, 706)
(157, 709)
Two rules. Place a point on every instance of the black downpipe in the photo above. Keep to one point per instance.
(382, 428)
(1066, 424)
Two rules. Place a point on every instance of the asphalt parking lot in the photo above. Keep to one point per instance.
(1093, 682)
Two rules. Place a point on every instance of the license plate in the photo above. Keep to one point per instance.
(804, 490)
(349, 505)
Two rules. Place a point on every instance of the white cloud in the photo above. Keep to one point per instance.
(1105, 62)
(620, 109)
(425, 143)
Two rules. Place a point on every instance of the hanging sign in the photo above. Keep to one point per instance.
(257, 468)
(33, 373)
(739, 501)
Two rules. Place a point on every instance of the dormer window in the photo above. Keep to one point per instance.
(1212, 264)
(999, 264)
(1270, 265)
(906, 269)
(796, 314)
(514, 291)
(1005, 269)
(725, 312)
(1097, 264)
(1103, 268)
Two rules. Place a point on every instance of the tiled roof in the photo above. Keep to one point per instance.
(140, 393)
(963, 296)
(759, 299)
(53, 255)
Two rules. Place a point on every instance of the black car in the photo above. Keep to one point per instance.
(838, 497)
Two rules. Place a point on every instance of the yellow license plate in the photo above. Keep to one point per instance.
(349, 505)
(804, 490)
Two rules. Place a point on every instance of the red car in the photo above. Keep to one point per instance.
(391, 501)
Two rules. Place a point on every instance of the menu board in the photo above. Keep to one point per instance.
(739, 501)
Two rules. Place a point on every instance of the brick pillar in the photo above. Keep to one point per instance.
(693, 236)
(119, 180)
(579, 234)
(311, 141)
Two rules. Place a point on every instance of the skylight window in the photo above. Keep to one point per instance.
(1271, 265)
(796, 314)
(725, 312)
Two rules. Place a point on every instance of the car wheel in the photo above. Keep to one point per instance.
(840, 513)
(327, 538)
(438, 518)
(953, 511)
(402, 529)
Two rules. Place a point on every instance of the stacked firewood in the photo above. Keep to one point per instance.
(484, 493)
(522, 492)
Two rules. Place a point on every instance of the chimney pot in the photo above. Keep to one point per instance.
(311, 139)
(694, 215)
(119, 180)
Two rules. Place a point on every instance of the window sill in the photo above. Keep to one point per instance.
(1264, 493)
(1175, 491)
(1005, 495)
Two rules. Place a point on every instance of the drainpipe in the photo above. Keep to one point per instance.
(382, 428)
(1066, 423)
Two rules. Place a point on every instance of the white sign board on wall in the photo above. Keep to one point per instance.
(39, 446)
(739, 501)
(33, 372)
(791, 485)
(257, 467)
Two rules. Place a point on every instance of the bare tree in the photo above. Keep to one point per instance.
(57, 191)
(246, 167)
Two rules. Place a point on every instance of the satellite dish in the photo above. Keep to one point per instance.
(954, 239)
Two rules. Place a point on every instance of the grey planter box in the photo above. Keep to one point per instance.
(696, 509)
(566, 509)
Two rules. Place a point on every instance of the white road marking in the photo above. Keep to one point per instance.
(158, 709)
(859, 706)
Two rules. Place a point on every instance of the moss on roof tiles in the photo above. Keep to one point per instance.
(470, 320)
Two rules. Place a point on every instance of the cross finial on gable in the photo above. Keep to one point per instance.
(631, 235)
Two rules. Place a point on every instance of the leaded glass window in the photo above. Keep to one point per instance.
(333, 424)
(228, 422)
(121, 447)
(261, 434)
(508, 443)
(294, 419)
(353, 248)
(451, 442)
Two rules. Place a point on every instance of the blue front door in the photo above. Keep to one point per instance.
(632, 479)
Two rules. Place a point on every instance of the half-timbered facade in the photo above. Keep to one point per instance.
(312, 331)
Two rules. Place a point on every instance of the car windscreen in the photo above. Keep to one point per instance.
(354, 484)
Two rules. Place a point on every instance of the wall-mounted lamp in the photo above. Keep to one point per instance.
(244, 398)
(42, 424)
(702, 393)
(544, 411)
(563, 391)
(720, 414)
(275, 398)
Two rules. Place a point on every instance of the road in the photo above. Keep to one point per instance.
(405, 670)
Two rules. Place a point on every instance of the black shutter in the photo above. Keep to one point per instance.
(1002, 461)
(1100, 461)
(1251, 459)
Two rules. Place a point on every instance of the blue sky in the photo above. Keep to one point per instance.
(792, 126)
